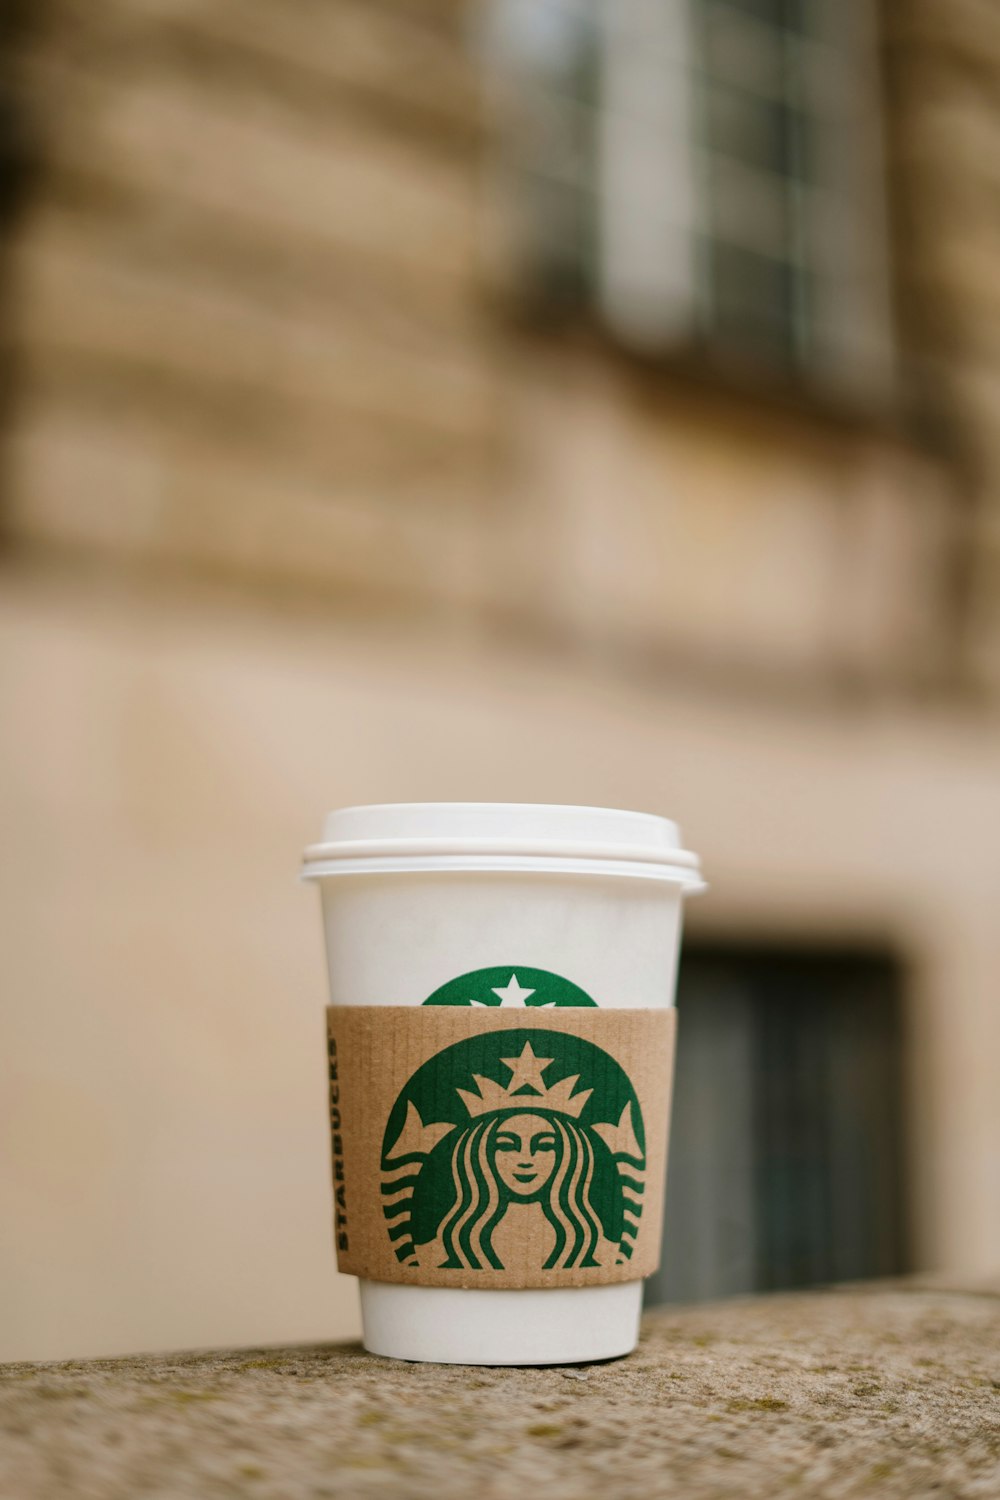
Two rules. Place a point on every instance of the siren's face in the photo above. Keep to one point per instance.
(525, 1147)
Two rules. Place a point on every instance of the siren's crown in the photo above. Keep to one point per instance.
(526, 1089)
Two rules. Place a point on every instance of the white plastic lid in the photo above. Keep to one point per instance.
(515, 836)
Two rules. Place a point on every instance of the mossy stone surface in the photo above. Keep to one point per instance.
(879, 1391)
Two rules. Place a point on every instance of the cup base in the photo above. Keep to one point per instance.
(455, 1326)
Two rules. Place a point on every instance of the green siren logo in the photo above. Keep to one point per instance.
(515, 1144)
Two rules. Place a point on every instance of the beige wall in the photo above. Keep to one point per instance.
(164, 1172)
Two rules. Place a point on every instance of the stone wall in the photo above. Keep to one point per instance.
(257, 341)
(244, 301)
(944, 119)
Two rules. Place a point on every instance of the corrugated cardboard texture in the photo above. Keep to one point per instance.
(475, 1147)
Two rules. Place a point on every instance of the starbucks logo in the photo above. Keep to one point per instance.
(522, 1147)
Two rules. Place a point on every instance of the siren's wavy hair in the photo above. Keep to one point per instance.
(481, 1199)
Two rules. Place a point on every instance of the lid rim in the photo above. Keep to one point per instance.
(355, 849)
(689, 879)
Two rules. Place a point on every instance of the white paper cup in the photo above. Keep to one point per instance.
(416, 895)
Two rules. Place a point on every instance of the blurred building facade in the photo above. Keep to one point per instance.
(406, 400)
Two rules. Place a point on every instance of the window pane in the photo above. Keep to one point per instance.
(787, 15)
(557, 237)
(786, 1151)
(738, 51)
(754, 300)
(769, 134)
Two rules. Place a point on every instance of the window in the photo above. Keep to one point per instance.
(700, 174)
(786, 1150)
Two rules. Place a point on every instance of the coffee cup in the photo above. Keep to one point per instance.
(501, 1009)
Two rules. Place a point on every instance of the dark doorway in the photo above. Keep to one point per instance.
(786, 1151)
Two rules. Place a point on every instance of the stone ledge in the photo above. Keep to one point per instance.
(890, 1391)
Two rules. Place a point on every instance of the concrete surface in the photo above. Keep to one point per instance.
(876, 1391)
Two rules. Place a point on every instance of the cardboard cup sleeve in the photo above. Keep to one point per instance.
(480, 1148)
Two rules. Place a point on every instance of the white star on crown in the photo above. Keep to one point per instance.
(525, 1089)
(513, 994)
